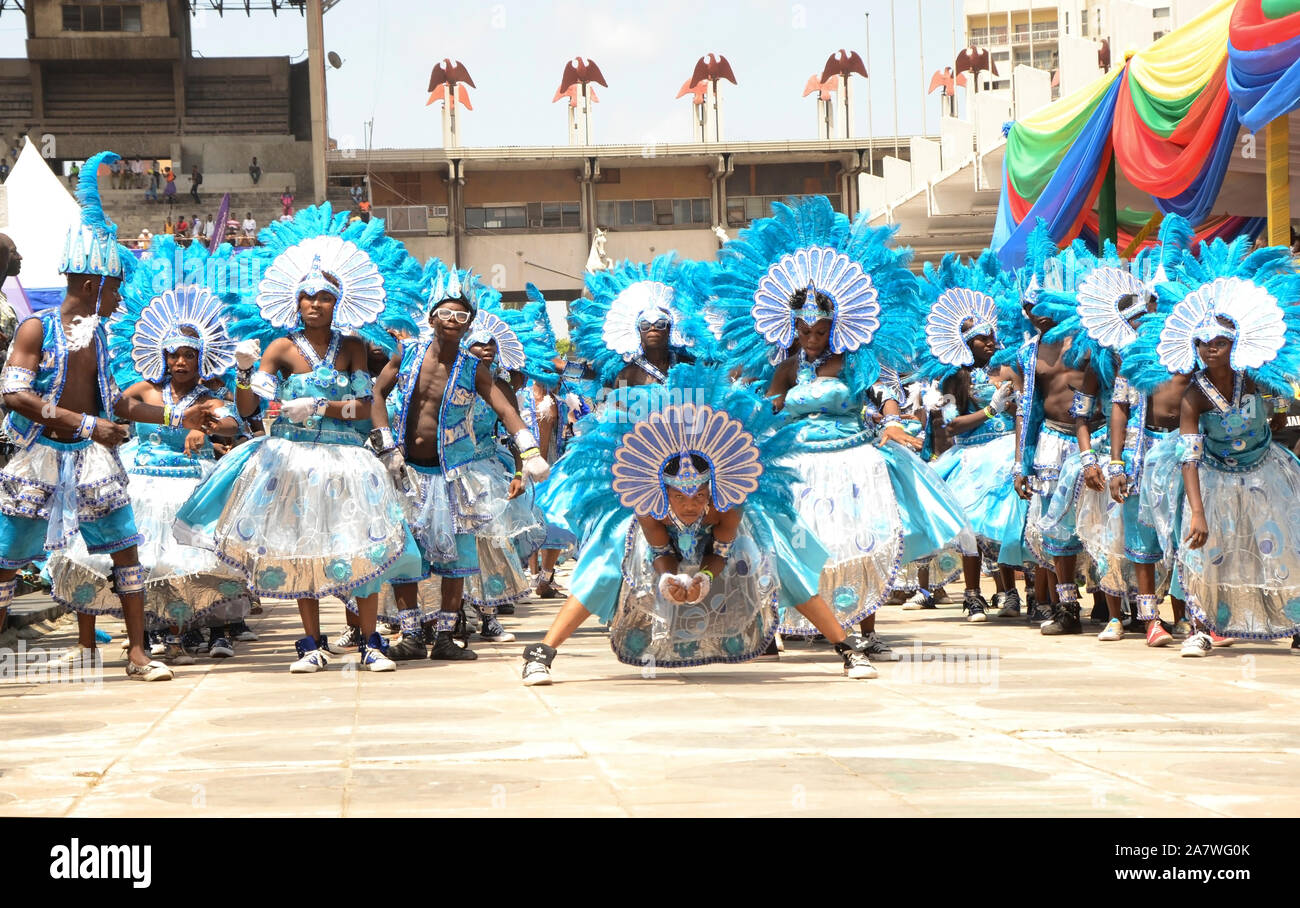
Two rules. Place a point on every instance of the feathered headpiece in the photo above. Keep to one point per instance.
(808, 249)
(441, 282)
(520, 346)
(605, 329)
(375, 279)
(173, 289)
(976, 294)
(1251, 290)
(698, 412)
(91, 246)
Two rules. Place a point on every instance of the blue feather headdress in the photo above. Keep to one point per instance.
(520, 347)
(978, 290)
(380, 280)
(698, 411)
(806, 245)
(1253, 290)
(175, 288)
(535, 322)
(440, 283)
(604, 328)
(91, 246)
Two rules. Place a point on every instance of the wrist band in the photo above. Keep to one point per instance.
(242, 378)
(707, 573)
(530, 453)
(321, 405)
(891, 421)
(519, 474)
(87, 427)
(381, 440)
(661, 551)
(722, 549)
(1088, 458)
(1115, 468)
(990, 412)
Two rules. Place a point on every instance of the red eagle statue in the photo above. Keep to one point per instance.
(578, 72)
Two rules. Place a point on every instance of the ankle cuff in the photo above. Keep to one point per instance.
(446, 621)
(1147, 606)
(540, 652)
(1068, 593)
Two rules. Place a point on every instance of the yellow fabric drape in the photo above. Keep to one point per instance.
(1181, 62)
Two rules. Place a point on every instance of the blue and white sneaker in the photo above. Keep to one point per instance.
(373, 656)
(312, 657)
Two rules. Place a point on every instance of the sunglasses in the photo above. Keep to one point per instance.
(662, 324)
(447, 316)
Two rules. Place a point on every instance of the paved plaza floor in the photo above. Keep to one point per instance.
(978, 720)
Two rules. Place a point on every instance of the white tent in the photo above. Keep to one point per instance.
(39, 212)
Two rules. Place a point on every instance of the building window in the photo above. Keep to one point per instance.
(652, 212)
(557, 214)
(497, 217)
(745, 208)
(403, 218)
(1160, 12)
(105, 17)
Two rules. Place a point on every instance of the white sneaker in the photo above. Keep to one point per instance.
(1114, 630)
(311, 658)
(153, 671)
(536, 673)
(376, 661)
(1197, 645)
(921, 599)
(75, 655)
(780, 643)
(857, 666)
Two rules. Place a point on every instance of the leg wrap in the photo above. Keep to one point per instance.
(1068, 593)
(487, 611)
(539, 652)
(1148, 607)
(7, 592)
(447, 621)
(409, 619)
(128, 579)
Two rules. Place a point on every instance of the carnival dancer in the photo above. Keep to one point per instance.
(546, 414)
(1222, 495)
(710, 546)
(972, 326)
(169, 348)
(817, 308)
(66, 477)
(306, 511)
(429, 448)
(1060, 459)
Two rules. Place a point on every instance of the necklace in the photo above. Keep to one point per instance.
(808, 368)
(687, 535)
(1233, 417)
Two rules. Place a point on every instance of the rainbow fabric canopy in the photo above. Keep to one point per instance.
(1169, 117)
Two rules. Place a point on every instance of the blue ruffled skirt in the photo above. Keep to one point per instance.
(980, 479)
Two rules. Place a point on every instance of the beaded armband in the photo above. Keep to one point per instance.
(321, 405)
(381, 441)
(1115, 468)
(15, 379)
(1191, 448)
(87, 427)
(1081, 405)
(243, 378)
(265, 385)
(893, 420)
(1088, 458)
(723, 549)
(662, 551)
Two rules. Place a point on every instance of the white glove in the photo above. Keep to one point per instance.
(247, 353)
(673, 587)
(705, 584)
(536, 468)
(1002, 397)
(300, 409)
(395, 464)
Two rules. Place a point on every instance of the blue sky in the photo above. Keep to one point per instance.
(515, 52)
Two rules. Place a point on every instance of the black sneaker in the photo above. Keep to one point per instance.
(242, 632)
(1066, 621)
(1036, 613)
(877, 650)
(493, 632)
(1009, 607)
(445, 648)
(507, 608)
(193, 642)
(347, 641)
(856, 664)
(221, 648)
(537, 664)
(771, 654)
(410, 646)
(975, 607)
(1100, 611)
(462, 630)
(1295, 645)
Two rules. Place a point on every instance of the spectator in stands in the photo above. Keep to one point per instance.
(182, 226)
(169, 187)
(151, 191)
(169, 228)
(74, 174)
(255, 171)
(145, 237)
(357, 195)
(137, 173)
(4, 171)
(196, 227)
(115, 174)
(286, 203)
(249, 225)
(210, 228)
(196, 180)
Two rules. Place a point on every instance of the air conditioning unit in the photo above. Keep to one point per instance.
(535, 222)
(437, 226)
(438, 211)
